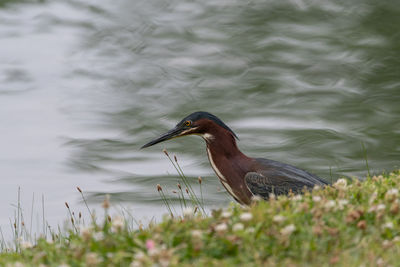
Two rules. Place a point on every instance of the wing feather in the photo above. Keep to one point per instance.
(279, 179)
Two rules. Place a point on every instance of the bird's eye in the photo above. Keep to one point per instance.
(188, 123)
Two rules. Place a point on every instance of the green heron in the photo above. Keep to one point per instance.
(243, 177)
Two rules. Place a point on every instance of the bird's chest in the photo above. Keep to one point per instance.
(230, 175)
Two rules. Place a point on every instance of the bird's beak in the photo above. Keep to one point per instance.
(175, 132)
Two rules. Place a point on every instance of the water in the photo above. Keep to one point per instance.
(85, 83)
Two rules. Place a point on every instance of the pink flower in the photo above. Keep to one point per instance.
(150, 245)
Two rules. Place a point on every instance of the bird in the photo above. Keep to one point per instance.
(243, 177)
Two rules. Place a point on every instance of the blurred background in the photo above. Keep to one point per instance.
(83, 84)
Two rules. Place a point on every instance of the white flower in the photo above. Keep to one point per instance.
(26, 244)
(381, 207)
(154, 252)
(380, 262)
(342, 203)
(391, 193)
(386, 243)
(316, 187)
(197, 233)
(287, 230)
(98, 236)
(245, 217)
(221, 228)
(388, 225)
(226, 214)
(279, 218)
(316, 198)
(85, 232)
(188, 212)
(136, 264)
(256, 198)
(92, 259)
(237, 227)
(140, 255)
(373, 197)
(250, 230)
(297, 198)
(117, 223)
(340, 183)
(330, 204)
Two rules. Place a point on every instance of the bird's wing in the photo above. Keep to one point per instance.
(279, 178)
(261, 185)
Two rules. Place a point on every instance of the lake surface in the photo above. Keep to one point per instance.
(83, 84)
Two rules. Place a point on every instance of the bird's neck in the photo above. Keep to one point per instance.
(223, 144)
(229, 163)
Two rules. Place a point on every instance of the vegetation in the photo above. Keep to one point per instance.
(352, 223)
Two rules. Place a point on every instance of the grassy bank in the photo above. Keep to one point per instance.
(349, 224)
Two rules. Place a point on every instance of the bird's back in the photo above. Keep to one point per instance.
(277, 170)
(269, 176)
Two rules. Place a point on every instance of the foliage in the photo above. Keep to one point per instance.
(351, 223)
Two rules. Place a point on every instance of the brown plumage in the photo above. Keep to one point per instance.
(243, 177)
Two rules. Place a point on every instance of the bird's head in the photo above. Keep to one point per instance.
(199, 123)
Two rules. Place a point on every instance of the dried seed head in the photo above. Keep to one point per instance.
(175, 158)
(334, 260)
(66, 204)
(353, 215)
(80, 215)
(196, 209)
(86, 232)
(200, 180)
(332, 231)
(80, 191)
(394, 208)
(22, 223)
(317, 230)
(179, 186)
(173, 191)
(109, 218)
(362, 224)
(187, 191)
(159, 188)
(165, 152)
(106, 202)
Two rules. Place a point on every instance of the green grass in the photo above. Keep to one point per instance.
(352, 223)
